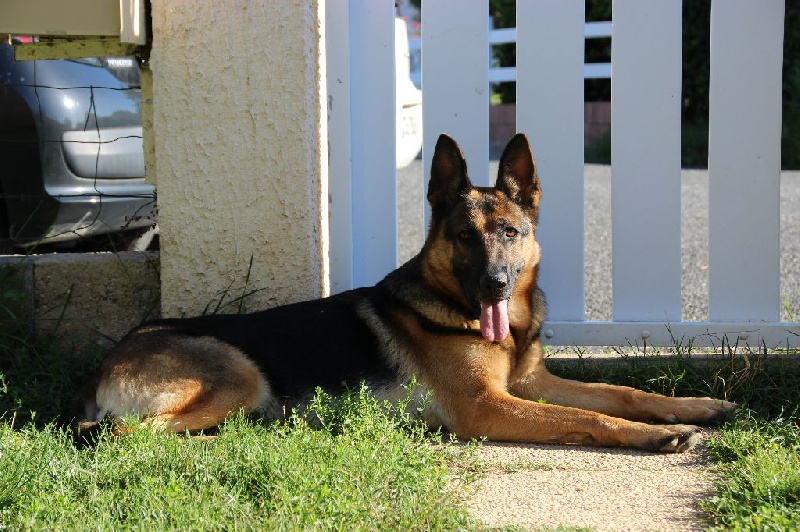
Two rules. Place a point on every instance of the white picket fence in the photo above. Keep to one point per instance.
(744, 154)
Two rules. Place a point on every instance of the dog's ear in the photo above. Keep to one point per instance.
(449, 181)
(517, 176)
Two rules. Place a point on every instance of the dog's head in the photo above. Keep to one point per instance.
(482, 240)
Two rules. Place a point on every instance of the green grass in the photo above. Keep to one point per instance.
(758, 475)
(358, 465)
(361, 466)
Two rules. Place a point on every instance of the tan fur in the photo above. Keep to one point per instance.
(191, 387)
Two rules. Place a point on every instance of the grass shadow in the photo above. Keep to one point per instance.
(39, 374)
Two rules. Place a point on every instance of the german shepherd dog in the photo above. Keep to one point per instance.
(462, 318)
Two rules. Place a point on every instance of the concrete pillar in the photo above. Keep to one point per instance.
(241, 151)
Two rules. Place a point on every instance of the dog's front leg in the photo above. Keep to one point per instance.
(500, 416)
(618, 401)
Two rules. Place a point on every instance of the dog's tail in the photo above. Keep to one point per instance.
(84, 405)
(85, 413)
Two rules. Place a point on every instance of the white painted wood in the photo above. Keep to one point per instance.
(373, 140)
(592, 30)
(646, 50)
(744, 159)
(550, 111)
(337, 29)
(590, 71)
(132, 21)
(645, 159)
(597, 71)
(57, 17)
(502, 36)
(597, 30)
(665, 334)
(455, 91)
(502, 74)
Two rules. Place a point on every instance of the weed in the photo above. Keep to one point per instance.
(528, 465)
(758, 474)
(789, 309)
(238, 302)
(39, 373)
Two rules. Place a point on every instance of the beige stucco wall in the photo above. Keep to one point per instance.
(240, 150)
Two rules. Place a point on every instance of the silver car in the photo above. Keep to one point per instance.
(71, 159)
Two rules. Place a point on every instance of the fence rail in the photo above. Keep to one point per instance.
(498, 74)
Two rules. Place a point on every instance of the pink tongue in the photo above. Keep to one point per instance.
(494, 320)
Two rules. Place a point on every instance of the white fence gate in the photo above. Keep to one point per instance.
(744, 154)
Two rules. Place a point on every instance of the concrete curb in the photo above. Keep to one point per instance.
(82, 297)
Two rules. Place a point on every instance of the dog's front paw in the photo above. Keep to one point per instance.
(681, 439)
(700, 410)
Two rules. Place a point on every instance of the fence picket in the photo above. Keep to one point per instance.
(744, 160)
(550, 76)
(339, 168)
(373, 146)
(646, 160)
(455, 92)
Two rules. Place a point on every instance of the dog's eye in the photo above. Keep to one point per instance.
(511, 232)
(465, 235)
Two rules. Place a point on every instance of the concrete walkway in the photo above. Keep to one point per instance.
(546, 486)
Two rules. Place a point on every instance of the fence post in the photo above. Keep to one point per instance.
(337, 39)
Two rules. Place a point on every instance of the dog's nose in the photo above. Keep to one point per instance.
(495, 282)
